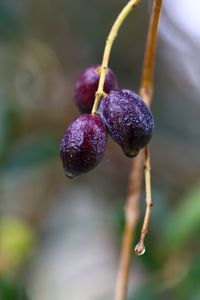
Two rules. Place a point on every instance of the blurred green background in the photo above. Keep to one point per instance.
(60, 238)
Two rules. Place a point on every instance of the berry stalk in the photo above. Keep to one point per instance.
(109, 42)
(135, 179)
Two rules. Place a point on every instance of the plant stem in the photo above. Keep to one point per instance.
(131, 219)
(135, 180)
(146, 86)
(109, 42)
(140, 247)
(146, 92)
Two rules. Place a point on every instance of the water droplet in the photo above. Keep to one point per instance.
(69, 174)
(139, 249)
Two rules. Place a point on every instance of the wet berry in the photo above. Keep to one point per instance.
(87, 85)
(83, 145)
(128, 119)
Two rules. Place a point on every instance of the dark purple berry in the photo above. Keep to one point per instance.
(128, 119)
(87, 85)
(83, 145)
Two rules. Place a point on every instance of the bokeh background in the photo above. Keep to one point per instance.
(60, 238)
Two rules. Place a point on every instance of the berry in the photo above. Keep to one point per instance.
(83, 145)
(128, 119)
(87, 85)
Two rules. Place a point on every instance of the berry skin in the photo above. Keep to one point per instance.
(128, 119)
(83, 145)
(87, 85)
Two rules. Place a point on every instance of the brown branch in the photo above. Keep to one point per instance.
(131, 219)
(135, 179)
(146, 86)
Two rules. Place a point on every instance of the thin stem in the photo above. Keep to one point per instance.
(146, 92)
(146, 86)
(134, 190)
(109, 42)
(149, 204)
(131, 219)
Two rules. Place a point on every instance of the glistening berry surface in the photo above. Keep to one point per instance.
(128, 119)
(83, 145)
(87, 85)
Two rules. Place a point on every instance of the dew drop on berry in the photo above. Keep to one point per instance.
(69, 174)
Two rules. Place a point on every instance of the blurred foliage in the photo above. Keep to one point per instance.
(11, 290)
(32, 151)
(9, 123)
(183, 224)
(17, 240)
(175, 254)
(10, 24)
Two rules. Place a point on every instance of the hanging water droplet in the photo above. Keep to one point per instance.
(139, 249)
(69, 174)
